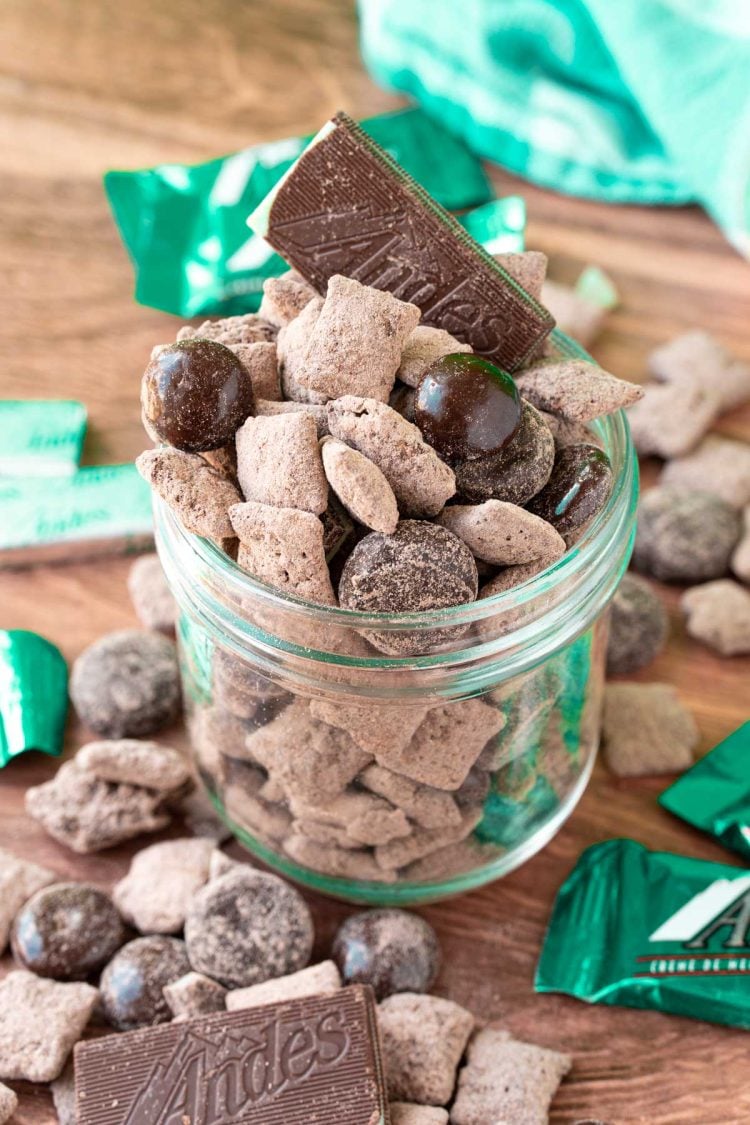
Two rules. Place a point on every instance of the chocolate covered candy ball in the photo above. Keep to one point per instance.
(127, 684)
(246, 927)
(421, 566)
(685, 536)
(466, 407)
(132, 983)
(518, 471)
(638, 627)
(67, 931)
(392, 950)
(580, 483)
(195, 395)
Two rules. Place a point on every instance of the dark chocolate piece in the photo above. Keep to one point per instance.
(67, 931)
(196, 394)
(517, 472)
(347, 208)
(293, 1063)
(132, 984)
(391, 950)
(580, 483)
(467, 407)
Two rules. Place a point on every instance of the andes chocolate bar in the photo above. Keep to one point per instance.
(346, 207)
(312, 1059)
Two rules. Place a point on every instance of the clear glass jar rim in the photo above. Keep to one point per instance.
(603, 531)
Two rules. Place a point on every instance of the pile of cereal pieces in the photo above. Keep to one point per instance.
(329, 442)
(694, 526)
(217, 935)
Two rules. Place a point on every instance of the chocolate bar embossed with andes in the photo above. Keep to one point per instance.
(315, 1059)
(345, 207)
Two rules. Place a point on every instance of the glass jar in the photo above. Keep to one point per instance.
(406, 777)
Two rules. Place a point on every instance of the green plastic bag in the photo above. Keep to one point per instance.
(185, 227)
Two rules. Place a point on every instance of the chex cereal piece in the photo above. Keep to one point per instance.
(685, 536)
(259, 360)
(408, 1113)
(8, 1103)
(63, 1091)
(279, 463)
(155, 894)
(503, 534)
(371, 726)
(284, 298)
(311, 981)
(427, 806)
(569, 433)
(718, 613)
(19, 880)
(741, 553)
(696, 357)
(717, 465)
(453, 859)
(87, 814)
(671, 419)
(422, 348)
(422, 841)
(291, 349)
(360, 486)
(576, 390)
(132, 761)
(327, 834)
(40, 1023)
(646, 730)
(318, 411)
(507, 1080)
(574, 313)
(243, 329)
(421, 482)
(283, 547)
(196, 492)
(446, 744)
(249, 811)
(423, 1039)
(364, 818)
(195, 995)
(150, 594)
(528, 268)
(312, 761)
(341, 863)
(355, 345)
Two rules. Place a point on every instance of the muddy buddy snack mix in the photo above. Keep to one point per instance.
(651, 930)
(406, 460)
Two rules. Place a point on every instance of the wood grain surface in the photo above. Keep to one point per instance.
(86, 87)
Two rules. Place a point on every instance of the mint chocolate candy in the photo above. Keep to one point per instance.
(391, 950)
(196, 394)
(517, 471)
(132, 984)
(466, 407)
(67, 931)
(580, 483)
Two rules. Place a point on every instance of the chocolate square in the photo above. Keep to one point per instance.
(316, 1059)
(347, 208)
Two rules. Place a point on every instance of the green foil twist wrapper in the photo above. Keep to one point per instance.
(41, 438)
(715, 794)
(185, 228)
(33, 694)
(654, 930)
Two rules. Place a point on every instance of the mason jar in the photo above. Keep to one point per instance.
(394, 779)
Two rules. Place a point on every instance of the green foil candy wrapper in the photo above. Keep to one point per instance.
(715, 794)
(185, 227)
(648, 929)
(41, 438)
(33, 694)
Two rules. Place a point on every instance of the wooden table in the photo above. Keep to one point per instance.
(89, 87)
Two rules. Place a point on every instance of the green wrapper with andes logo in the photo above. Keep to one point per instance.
(184, 224)
(715, 794)
(653, 930)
